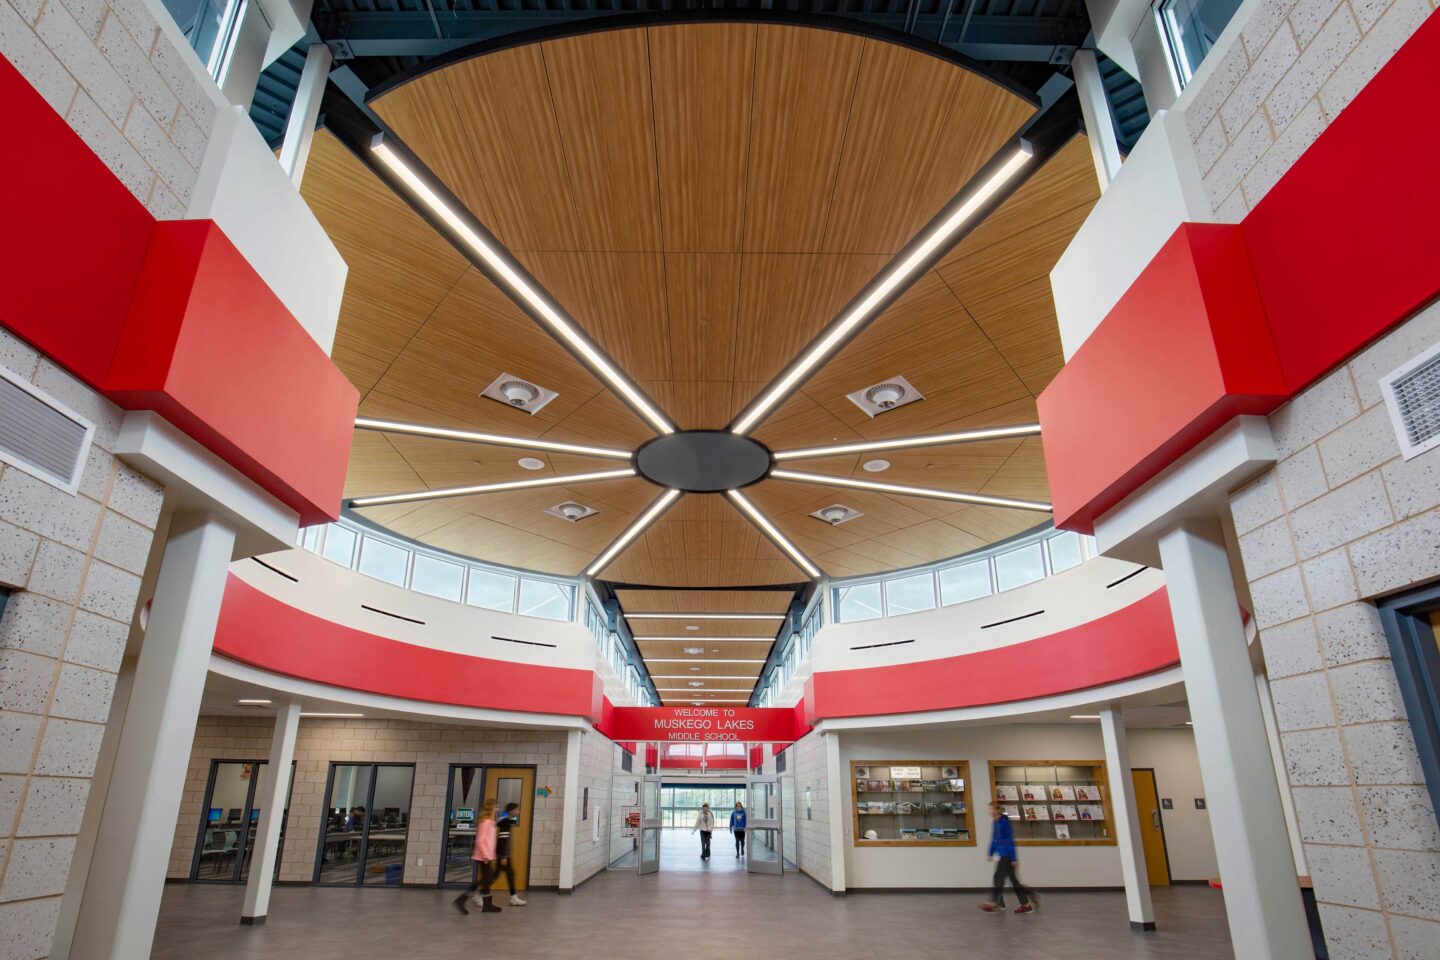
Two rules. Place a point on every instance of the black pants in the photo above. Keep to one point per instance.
(508, 869)
(739, 842)
(704, 844)
(1005, 867)
(483, 882)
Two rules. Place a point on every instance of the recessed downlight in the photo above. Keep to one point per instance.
(691, 626)
(254, 703)
(875, 466)
(531, 463)
(694, 651)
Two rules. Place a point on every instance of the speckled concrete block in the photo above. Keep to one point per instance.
(1351, 634)
(1366, 692)
(1391, 351)
(1302, 703)
(136, 497)
(1415, 939)
(1410, 882)
(69, 748)
(28, 925)
(1383, 753)
(124, 543)
(1301, 477)
(1414, 485)
(1328, 815)
(83, 694)
(1314, 758)
(25, 681)
(96, 641)
(110, 591)
(1400, 556)
(58, 572)
(47, 510)
(1353, 934)
(1401, 818)
(1347, 513)
(1324, 406)
(1256, 503)
(1342, 875)
(37, 868)
(17, 553)
(1279, 598)
(1329, 580)
(1291, 648)
(54, 807)
(1267, 548)
(35, 624)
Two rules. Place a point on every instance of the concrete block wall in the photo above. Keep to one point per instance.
(807, 760)
(73, 566)
(1339, 521)
(1293, 67)
(430, 747)
(599, 758)
(123, 84)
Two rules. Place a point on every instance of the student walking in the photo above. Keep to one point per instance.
(503, 826)
(705, 823)
(737, 827)
(1002, 851)
(484, 856)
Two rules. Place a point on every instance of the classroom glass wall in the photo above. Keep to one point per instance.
(366, 824)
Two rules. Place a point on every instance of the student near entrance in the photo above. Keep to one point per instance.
(705, 823)
(737, 827)
(1002, 851)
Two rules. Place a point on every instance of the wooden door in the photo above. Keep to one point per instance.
(515, 785)
(1152, 830)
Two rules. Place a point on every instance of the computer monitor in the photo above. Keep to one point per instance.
(392, 811)
(254, 814)
(213, 815)
(233, 814)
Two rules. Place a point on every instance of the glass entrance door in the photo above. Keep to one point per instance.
(652, 824)
(467, 795)
(763, 833)
(229, 821)
(367, 821)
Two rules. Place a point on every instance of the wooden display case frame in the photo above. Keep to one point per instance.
(1101, 780)
(963, 766)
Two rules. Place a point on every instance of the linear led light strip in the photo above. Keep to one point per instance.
(469, 436)
(651, 514)
(441, 494)
(979, 498)
(906, 443)
(706, 616)
(696, 660)
(770, 530)
(552, 318)
(891, 280)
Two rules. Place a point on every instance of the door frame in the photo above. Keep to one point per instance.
(205, 828)
(485, 769)
(774, 867)
(655, 824)
(1160, 812)
(365, 835)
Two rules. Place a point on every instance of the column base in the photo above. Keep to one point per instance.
(1136, 926)
(252, 921)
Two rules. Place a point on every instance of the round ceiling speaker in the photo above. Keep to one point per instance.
(886, 395)
(875, 466)
(519, 393)
(834, 514)
(531, 463)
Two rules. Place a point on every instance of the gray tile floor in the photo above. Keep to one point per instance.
(684, 915)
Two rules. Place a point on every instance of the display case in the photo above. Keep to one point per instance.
(1054, 802)
(911, 803)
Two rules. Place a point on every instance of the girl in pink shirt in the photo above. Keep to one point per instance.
(484, 856)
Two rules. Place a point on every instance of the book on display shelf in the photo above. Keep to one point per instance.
(1058, 794)
(877, 786)
(1088, 793)
(1063, 811)
(1033, 792)
(949, 773)
(1036, 811)
(1010, 810)
(1062, 831)
(957, 784)
(1007, 791)
(862, 773)
(1092, 811)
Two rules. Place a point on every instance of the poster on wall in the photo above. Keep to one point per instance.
(630, 826)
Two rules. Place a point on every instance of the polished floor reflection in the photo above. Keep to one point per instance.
(695, 914)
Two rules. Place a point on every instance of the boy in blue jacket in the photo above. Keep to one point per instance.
(737, 827)
(1002, 851)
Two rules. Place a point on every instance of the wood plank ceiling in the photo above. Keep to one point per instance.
(702, 198)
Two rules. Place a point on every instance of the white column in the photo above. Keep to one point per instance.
(1126, 819)
(116, 920)
(1282, 775)
(300, 128)
(1262, 895)
(1099, 123)
(838, 788)
(272, 813)
(574, 743)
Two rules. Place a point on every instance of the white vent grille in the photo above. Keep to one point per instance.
(884, 396)
(518, 393)
(1412, 394)
(42, 436)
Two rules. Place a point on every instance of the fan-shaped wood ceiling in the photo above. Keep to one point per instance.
(702, 199)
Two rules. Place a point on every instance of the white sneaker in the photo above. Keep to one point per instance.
(515, 901)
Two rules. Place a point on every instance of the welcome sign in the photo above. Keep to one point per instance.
(703, 724)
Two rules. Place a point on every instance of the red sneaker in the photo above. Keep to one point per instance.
(989, 907)
(1024, 908)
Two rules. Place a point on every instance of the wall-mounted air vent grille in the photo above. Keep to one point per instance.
(41, 436)
(1412, 394)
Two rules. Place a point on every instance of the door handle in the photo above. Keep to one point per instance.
(1155, 818)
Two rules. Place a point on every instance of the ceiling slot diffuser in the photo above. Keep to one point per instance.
(519, 393)
(887, 395)
(42, 436)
